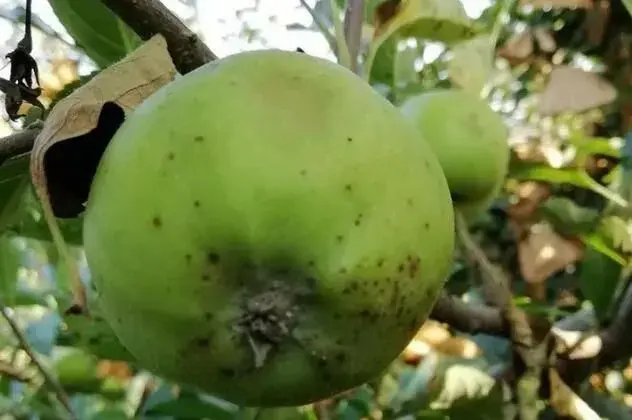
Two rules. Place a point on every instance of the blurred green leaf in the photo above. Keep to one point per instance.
(94, 335)
(570, 176)
(104, 37)
(190, 407)
(567, 217)
(433, 20)
(599, 242)
(10, 263)
(599, 277)
(14, 179)
(472, 63)
(110, 414)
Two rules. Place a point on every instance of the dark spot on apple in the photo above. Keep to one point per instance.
(202, 342)
(349, 139)
(171, 156)
(156, 221)
(400, 268)
(427, 226)
(206, 277)
(348, 187)
(188, 258)
(213, 257)
(303, 172)
(198, 139)
(413, 267)
(208, 316)
(196, 203)
(340, 238)
(311, 282)
(228, 372)
(380, 262)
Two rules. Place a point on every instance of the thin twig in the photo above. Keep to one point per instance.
(342, 50)
(469, 318)
(17, 144)
(150, 17)
(322, 26)
(354, 18)
(50, 379)
(532, 355)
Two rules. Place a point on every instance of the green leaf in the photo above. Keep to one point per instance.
(190, 407)
(10, 263)
(110, 414)
(472, 63)
(96, 29)
(434, 20)
(597, 241)
(94, 335)
(599, 277)
(571, 176)
(567, 217)
(14, 179)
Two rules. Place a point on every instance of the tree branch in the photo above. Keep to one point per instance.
(526, 350)
(469, 318)
(50, 379)
(354, 18)
(17, 144)
(150, 17)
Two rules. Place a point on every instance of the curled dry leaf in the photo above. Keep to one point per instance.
(543, 252)
(518, 48)
(529, 196)
(574, 90)
(76, 118)
(76, 132)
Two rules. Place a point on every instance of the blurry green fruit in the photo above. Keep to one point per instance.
(269, 229)
(470, 141)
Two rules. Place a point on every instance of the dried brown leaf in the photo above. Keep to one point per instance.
(126, 84)
(67, 151)
(574, 90)
(530, 195)
(596, 22)
(519, 47)
(543, 252)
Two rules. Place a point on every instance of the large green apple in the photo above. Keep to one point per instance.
(268, 229)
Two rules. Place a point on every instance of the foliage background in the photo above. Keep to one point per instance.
(560, 77)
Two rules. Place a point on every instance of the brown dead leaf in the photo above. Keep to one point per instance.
(385, 11)
(574, 90)
(596, 21)
(518, 48)
(558, 4)
(77, 130)
(529, 195)
(76, 117)
(543, 252)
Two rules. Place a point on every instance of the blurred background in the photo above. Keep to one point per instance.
(559, 74)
